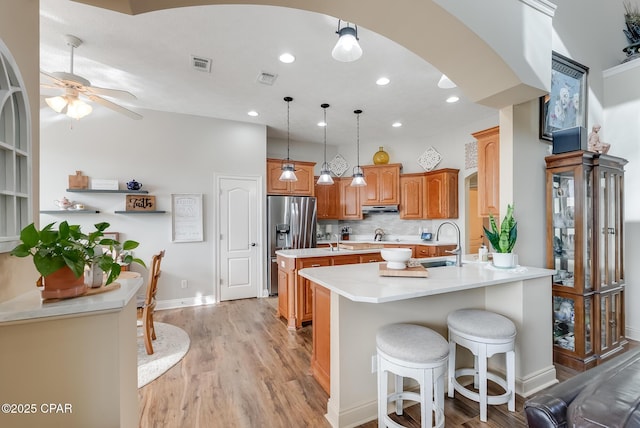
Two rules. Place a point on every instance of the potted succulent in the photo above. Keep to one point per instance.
(503, 239)
(60, 256)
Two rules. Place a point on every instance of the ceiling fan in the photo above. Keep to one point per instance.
(75, 86)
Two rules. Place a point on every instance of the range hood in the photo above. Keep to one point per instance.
(368, 209)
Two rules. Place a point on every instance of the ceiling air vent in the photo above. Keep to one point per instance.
(267, 78)
(201, 63)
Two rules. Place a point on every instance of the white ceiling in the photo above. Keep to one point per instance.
(150, 56)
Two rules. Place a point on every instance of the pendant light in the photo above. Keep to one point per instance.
(288, 168)
(325, 173)
(347, 49)
(358, 176)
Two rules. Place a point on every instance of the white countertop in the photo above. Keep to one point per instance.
(361, 282)
(391, 239)
(29, 306)
(301, 253)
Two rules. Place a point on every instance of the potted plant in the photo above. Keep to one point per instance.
(503, 239)
(60, 256)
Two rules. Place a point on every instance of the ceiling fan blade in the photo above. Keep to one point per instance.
(114, 107)
(114, 93)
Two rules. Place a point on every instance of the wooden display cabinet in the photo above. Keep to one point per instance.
(488, 171)
(303, 187)
(383, 184)
(585, 219)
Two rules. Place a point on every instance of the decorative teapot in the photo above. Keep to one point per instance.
(134, 185)
(63, 203)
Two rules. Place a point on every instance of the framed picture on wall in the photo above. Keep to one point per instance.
(566, 105)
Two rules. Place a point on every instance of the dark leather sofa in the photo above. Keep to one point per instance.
(605, 396)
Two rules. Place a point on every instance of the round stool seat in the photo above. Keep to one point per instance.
(412, 343)
(483, 325)
(419, 353)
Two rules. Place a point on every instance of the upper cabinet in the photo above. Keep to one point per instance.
(303, 187)
(441, 188)
(328, 201)
(412, 197)
(349, 207)
(430, 195)
(488, 171)
(383, 184)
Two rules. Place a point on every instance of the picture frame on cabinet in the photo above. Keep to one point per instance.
(565, 106)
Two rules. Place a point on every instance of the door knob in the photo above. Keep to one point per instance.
(253, 244)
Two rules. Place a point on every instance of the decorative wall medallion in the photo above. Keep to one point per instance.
(471, 155)
(429, 159)
(338, 165)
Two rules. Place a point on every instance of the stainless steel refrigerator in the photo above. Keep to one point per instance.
(291, 223)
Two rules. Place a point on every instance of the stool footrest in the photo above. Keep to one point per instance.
(471, 395)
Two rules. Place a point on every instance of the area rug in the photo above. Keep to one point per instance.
(170, 346)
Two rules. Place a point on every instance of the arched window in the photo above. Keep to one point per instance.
(15, 152)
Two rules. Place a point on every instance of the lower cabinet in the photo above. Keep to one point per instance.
(304, 302)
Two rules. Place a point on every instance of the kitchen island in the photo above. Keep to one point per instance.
(352, 302)
(70, 362)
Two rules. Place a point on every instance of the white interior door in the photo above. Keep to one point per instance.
(238, 226)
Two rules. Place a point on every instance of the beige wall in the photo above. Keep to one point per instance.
(19, 31)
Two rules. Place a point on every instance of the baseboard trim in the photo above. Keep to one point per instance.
(632, 333)
(536, 382)
(185, 303)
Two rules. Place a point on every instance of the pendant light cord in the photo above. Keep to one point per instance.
(288, 101)
(325, 132)
(358, 136)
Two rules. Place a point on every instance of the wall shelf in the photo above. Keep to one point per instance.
(140, 212)
(106, 191)
(54, 212)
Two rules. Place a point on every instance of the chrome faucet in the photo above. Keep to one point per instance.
(458, 250)
(336, 248)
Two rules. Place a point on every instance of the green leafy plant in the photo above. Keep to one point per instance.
(53, 249)
(503, 239)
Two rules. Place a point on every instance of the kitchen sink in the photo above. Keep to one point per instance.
(438, 263)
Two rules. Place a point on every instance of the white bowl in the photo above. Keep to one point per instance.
(396, 258)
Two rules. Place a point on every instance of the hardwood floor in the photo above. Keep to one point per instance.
(245, 369)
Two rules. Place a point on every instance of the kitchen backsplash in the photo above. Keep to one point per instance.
(389, 222)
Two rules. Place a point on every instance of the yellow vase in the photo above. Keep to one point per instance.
(381, 157)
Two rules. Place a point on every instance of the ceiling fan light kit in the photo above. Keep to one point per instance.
(75, 86)
(347, 48)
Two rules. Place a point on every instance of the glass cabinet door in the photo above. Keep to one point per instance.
(572, 317)
(610, 228)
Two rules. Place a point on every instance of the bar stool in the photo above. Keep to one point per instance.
(484, 334)
(417, 352)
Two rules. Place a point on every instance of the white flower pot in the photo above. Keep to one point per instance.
(503, 260)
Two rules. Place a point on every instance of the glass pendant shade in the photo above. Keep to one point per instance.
(358, 177)
(288, 169)
(325, 175)
(347, 48)
(288, 172)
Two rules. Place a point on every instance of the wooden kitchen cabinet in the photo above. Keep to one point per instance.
(441, 188)
(383, 184)
(328, 201)
(303, 187)
(422, 251)
(413, 200)
(303, 288)
(349, 206)
(585, 220)
(488, 171)
(371, 258)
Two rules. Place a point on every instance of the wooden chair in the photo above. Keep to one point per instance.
(146, 307)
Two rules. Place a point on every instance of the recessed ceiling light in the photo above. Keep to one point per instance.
(396, 124)
(253, 113)
(453, 99)
(321, 123)
(382, 81)
(287, 58)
